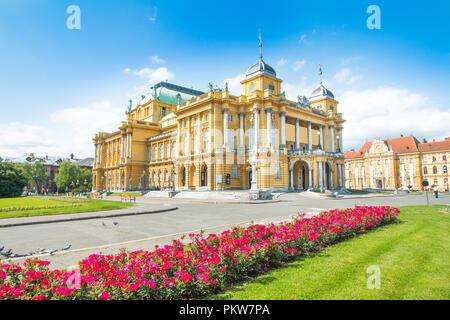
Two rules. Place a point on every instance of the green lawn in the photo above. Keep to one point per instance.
(50, 205)
(413, 256)
(118, 194)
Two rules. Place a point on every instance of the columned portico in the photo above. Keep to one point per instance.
(320, 164)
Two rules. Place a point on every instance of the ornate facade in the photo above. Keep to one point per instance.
(400, 163)
(175, 137)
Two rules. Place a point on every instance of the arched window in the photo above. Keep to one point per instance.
(434, 170)
(234, 171)
(161, 151)
(156, 152)
(425, 170)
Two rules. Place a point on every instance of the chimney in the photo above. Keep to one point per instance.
(434, 140)
(71, 156)
(424, 140)
(401, 135)
(352, 149)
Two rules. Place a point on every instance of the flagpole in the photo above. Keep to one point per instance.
(260, 45)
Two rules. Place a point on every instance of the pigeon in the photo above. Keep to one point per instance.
(52, 251)
(103, 224)
(41, 249)
(9, 252)
(115, 223)
(1, 248)
(67, 247)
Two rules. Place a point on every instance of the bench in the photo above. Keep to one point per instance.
(125, 197)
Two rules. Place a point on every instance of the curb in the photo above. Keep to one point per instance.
(85, 218)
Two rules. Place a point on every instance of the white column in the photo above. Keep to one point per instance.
(320, 175)
(256, 126)
(268, 125)
(309, 136)
(321, 137)
(99, 152)
(331, 180)
(122, 144)
(331, 127)
(241, 130)
(283, 128)
(291, 180)
(96, 153)
(225, 126)
(199, 134)
(297, 134)
(310, 178)
(341, 142)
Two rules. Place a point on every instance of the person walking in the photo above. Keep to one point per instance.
(436, 192)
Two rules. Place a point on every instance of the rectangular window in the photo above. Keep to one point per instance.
(206, 117)
(234, 171)
(163, 111)
(230, 118)
(271, 87)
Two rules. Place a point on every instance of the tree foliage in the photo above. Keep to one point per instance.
(70, 177)
(12, 180)
(35, 173)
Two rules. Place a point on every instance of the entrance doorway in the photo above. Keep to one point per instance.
(204, 176)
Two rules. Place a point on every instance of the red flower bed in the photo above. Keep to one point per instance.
(183, 271)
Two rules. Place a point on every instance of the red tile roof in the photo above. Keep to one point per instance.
(403, 144)
(435, 146)
(398, 145)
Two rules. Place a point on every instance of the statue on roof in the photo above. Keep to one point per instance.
(210, 85)
(130, 105)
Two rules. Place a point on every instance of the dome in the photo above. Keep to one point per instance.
(261, 66)
(321, 92)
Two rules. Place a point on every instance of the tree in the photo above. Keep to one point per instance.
(85, 179)
(12, 180)
(68, 175)
(35, 173)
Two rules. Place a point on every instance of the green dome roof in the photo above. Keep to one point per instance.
(171, 93)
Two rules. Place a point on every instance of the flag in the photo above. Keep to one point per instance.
(320, 69)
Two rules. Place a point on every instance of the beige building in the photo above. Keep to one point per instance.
(400, 163)
(176, 137)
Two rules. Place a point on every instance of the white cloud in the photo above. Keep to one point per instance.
(344, 76)
(282, 62)
(157, 60)
(298, 65)
(234, 84)
(388, 112)
(303, 88)
(66, 131)
(153, 75)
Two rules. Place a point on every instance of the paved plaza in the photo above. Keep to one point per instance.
(143, 231)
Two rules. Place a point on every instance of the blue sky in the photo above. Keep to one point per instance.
(59, 86)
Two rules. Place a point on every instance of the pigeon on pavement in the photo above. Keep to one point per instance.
(67, 247)
(115, 223)
(1, 248)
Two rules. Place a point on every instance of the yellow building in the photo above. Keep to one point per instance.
(175, 137)
(400, 163)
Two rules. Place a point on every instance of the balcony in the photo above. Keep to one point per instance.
(317, 152)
